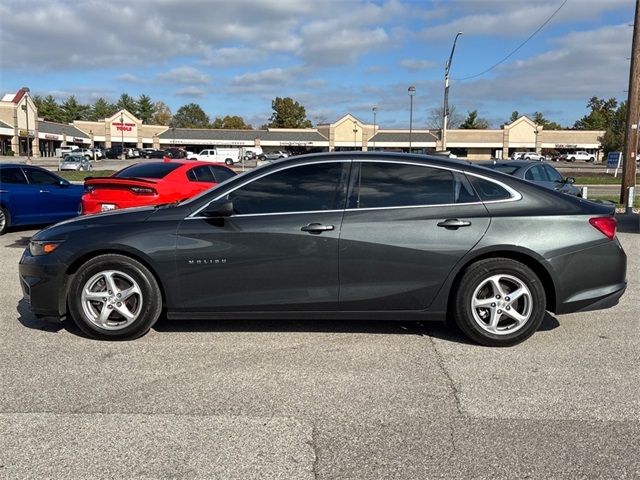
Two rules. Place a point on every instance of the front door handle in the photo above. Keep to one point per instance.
(453, 223)
(44, 191)
(317, 228)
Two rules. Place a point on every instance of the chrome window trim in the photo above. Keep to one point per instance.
(515, 195)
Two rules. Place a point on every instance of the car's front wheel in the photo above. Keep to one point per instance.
(499, 302)
(114, 297)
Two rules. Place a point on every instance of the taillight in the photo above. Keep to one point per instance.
(606, 225)
(143, 191)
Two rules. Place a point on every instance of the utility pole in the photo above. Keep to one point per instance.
(633, 115)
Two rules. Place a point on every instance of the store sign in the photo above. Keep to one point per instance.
(78, 140)
(48, 136)
(124, 126)
(566, 145)
(24, 133)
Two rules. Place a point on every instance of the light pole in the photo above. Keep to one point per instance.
(355, 135)
(173, 130)
(445, 107)
(412, 91)
(375, 110)
(26, 114)
(123, 156)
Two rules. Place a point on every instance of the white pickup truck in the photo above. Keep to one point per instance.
(586, 156)
(228, 156)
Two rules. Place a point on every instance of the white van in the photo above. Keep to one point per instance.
(229, 156)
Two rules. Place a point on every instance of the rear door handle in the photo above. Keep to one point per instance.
(44, 191)
(317, 228)
(453, 223)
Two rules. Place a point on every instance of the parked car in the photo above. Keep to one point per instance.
(534, 156)
(278, 154)
(536, 172)
(66, 150)
(86, 152)
(337, 235)
(115, 151)
(175, 152)
(153, 153)
(31, 195)
(77, 162)
(151, 183)
(517, 155)
(581, 155)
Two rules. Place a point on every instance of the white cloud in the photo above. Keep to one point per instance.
(191, 92)
(184, 75)
(416, 65)
(130, 78)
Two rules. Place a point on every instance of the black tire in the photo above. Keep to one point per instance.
(572, 159)
(592, 159)
(228, 161)
(5, 220)
(145, 305)
(511, 275)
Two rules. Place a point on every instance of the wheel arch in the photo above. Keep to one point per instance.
(82, 259)
(4, 206)
(525, 257)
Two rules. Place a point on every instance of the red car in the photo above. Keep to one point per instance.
(151, 183)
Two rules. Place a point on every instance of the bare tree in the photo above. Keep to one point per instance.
(434, 120)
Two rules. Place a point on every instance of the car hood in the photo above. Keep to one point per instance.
(115, 217)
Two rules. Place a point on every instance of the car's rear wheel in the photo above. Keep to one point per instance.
(228, 161)
(4, 220)
(114, 297)
(499, 302)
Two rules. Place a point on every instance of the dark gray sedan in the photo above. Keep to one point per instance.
(536, 172)
(346, 235)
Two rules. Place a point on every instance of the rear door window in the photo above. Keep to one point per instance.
(12, 175)
(382, 184)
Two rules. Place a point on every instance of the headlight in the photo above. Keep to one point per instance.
(37, 247)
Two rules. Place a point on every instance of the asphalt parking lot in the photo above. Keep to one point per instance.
(327, 400)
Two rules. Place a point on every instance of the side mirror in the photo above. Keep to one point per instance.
(64, 183)
(570, 180)
(218, 209)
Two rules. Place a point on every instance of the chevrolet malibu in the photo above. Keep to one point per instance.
(338, 235)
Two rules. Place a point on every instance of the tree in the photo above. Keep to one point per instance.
(601, 115)
(128, 103)
(161, 114)
(287, 113)
(50, 110)
(190, 116)
(145, 108)
(473, 122)
(102, 109)
(514, 116)
(73, 110)
(613, 138)
(538, 119)
(435, 118)
(234, 122)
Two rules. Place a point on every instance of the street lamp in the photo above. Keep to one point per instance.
(173, 130)
(26, 114)
(123, 156)
(355, 135)
(375, 110)
(412, 91)
(445, 109)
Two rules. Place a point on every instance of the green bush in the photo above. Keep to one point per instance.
(10, 153)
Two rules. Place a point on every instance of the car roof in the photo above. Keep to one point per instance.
(517, 163)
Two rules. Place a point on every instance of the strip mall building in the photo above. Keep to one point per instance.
(21, 129)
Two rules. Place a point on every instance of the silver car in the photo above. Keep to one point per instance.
(536, 172)
(77, 162)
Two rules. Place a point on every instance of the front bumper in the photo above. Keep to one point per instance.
(44, 284)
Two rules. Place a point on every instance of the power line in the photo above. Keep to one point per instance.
(517, 48)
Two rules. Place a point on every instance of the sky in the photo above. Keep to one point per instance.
(334, 57)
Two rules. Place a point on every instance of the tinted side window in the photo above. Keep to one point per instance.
(222, 173)
(399, 185)
(12, 175)
(39, 177)
(318, 186)
(553, 174)
(536, 174)
(200, 174)
(488, 191)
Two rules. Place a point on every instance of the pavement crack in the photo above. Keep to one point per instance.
(452, 384)
(314, 448)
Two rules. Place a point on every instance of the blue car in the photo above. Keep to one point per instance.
(31, 195)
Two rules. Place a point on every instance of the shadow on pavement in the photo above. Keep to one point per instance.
(628, 223)
(21, 242)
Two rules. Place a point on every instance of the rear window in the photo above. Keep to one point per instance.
(147, 170)
(508, 169)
